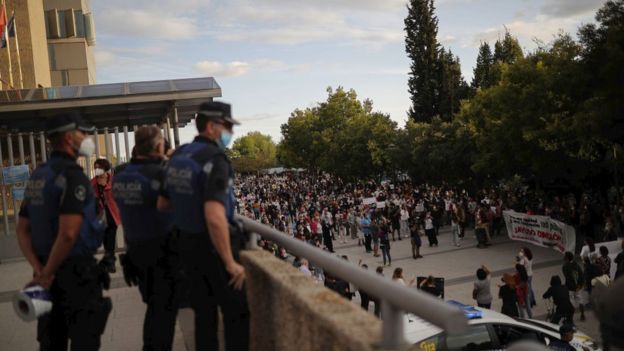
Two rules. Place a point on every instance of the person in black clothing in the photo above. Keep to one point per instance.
(151, 261)
(574, 279)
(429, 286)
(327, 236)
(364, 296)
(561, 298)
(566, 332)
(199, 190)
(415, 236)
(384, 243)
(59, 232)
(507, 293)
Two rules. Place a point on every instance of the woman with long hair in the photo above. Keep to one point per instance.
(525, 258)
(522, 286)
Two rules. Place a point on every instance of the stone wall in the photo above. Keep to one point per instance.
(290, 311)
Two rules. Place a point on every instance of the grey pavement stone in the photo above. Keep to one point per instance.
(458, 266)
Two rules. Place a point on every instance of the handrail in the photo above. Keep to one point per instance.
(395, 297)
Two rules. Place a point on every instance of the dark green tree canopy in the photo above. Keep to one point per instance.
(421, 46)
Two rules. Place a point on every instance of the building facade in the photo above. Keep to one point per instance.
(31, 41)
(70, 34)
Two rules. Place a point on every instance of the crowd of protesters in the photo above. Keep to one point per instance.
(321, 210)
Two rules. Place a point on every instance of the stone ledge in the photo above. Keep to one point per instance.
(291, 311)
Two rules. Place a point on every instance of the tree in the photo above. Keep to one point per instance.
(508, 50)
(253, 152)
(482, 76)
(341, 135)
(452, 88)
(421, 46)
(602, 57)
(438, 152)
(524, 125)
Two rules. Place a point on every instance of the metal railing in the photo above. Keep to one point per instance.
(395, 298)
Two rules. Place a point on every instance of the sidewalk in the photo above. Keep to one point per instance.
(124, 330)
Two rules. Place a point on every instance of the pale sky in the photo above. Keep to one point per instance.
(273, 56)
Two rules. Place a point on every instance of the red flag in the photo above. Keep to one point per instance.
(3, 20)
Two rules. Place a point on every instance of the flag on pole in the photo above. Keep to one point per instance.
(9, 31)
(3, 20)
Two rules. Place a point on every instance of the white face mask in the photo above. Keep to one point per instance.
(87, 147)
(98, 172)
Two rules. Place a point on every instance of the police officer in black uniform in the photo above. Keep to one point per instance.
(150, 259)
(58, 232)
(198, 188)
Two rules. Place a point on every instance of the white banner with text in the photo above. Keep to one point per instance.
(540, 230)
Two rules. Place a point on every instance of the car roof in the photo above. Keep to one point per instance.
(417, 329)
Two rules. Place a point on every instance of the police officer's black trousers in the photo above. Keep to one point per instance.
(155, 268)
(79, 311)
(209, 288)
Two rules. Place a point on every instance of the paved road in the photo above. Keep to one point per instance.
(458, 266)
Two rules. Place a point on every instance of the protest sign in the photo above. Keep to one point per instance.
(540, 230)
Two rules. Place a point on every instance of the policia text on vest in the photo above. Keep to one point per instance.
(151, 259)
(199, 190)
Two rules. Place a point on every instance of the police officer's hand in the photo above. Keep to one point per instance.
(41, 279)
(237, 274)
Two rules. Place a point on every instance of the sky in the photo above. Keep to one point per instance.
(271, 57)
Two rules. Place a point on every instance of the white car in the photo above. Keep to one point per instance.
(488, 330)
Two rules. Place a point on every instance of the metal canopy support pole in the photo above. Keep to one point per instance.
(392, 333)
(42, 147)
(10, 148)
(163, 129)
(33, 153)
(117, 149)
(12, 163)
(168, 129)
(107, 145)
(97, 144)
(127, 143)
(5, 210)
(20, 145)
(176, 132)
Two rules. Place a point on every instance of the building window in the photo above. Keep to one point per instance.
(68, 23)
(80, 26)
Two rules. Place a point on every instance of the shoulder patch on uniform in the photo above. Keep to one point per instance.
(155, 184)
(80, 193)
(60, 181)
(208, 167)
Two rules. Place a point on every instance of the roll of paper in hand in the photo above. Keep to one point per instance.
(32, 303)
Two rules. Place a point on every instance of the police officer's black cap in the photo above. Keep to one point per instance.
(566, 328)
(217, 111)
(65, 122)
